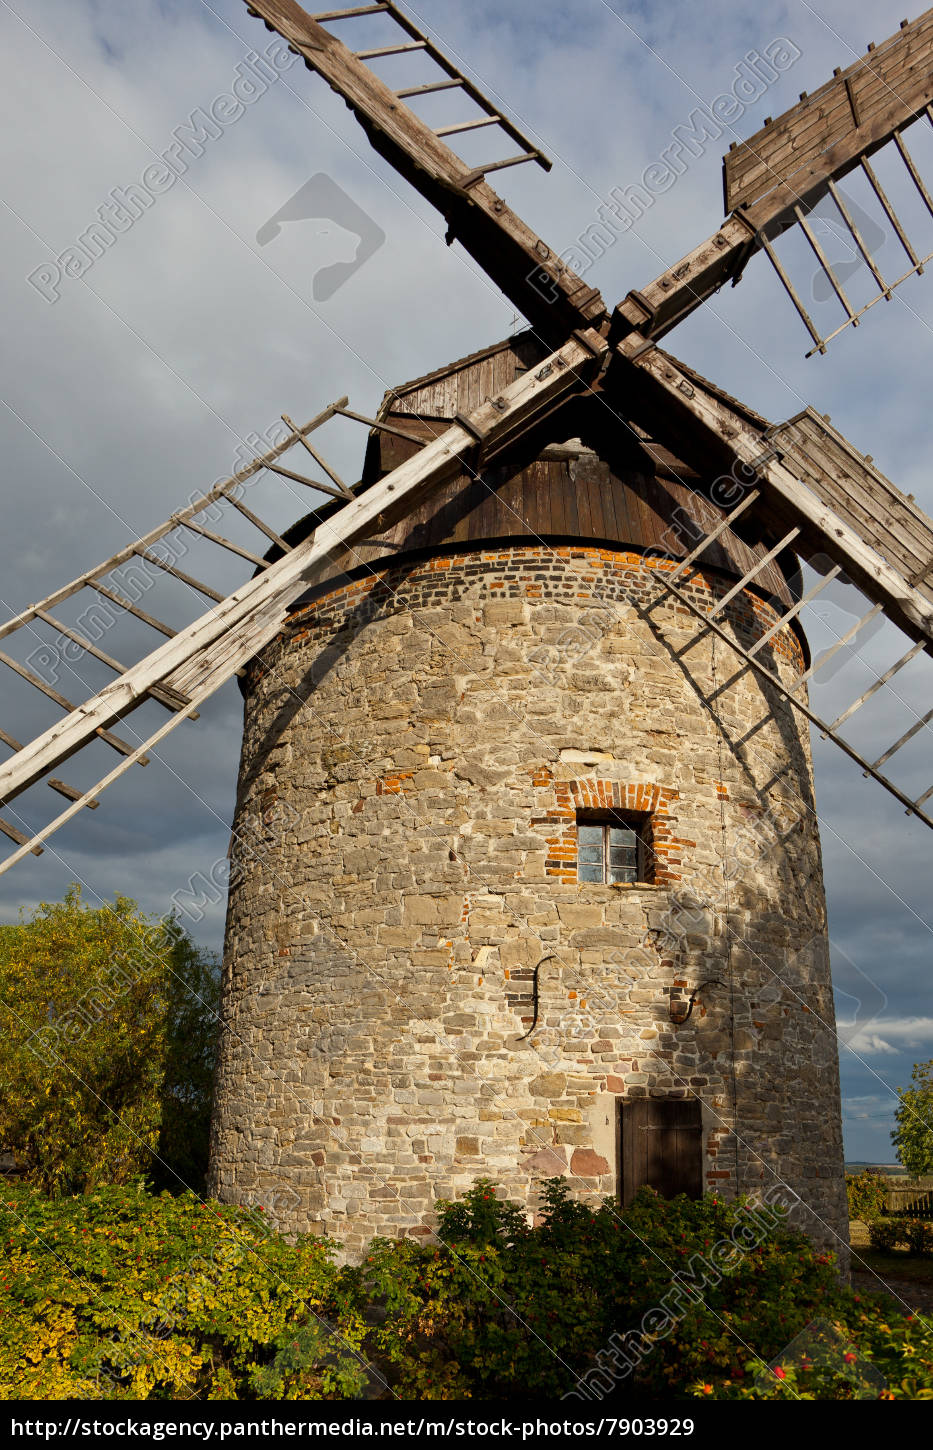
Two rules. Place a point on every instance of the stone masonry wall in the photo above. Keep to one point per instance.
(419, 991)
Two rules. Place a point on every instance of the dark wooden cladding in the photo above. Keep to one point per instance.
(466, 383)
(585, 474)
(574, 497)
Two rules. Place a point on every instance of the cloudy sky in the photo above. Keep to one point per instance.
(129, 388)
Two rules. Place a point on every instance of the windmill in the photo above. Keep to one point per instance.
(714, 1086)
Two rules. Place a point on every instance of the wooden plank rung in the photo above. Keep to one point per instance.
(858, 238)
(889, 211)
(61, 786)
(468, 126)
(390, 49)
(177, 573)
(308, 482)
(322, 462)
(922, 799)
(795, 609)
(18, 836)
(480, 171)
(112, 740)
(383, 427)
(789, 289)
(844, 640)
(258, 523)
(878, 684)
(907, 735)
(915, 176)
(223, 542)
(346, 14)
(711, 538)
(756, 568)
(131, 608)
(71, 793)
(825, 264)
(431, 86)
(169, 698)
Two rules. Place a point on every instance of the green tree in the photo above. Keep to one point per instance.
(913, 1135)
(110, 1024)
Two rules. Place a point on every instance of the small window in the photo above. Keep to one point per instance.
(614, 847)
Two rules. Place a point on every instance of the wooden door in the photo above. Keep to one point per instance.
(662, 1145)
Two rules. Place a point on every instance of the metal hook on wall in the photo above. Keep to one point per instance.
(679, 1019)
(534, 995)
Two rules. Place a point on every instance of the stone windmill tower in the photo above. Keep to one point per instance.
(520, 829)
(526, 873)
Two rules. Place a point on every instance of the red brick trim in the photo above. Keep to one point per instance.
(592, 793)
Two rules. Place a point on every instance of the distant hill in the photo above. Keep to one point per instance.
(892, 1170)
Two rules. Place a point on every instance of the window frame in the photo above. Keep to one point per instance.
(638, 822)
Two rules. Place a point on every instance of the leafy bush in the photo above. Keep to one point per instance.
(497, 1308)
(876, 1355)
(889, 1234)
(867, 1193)
(123, 1295)
(918, 1236)
(110, 1026)
(913, 1135)
(885, 1234)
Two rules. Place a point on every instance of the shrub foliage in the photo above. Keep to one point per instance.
(110, 1025)
(913, 1117)
(120, 1294)
(866, 1193)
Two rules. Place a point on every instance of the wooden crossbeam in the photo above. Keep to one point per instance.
(756, 569)
(878, 684)
(714, 534)
(549, 293)
(658, 394)
(92, 577)
(114, 741)
(792, 162)
(19, 837)
(847, 217)
(889, 85)
(841, 643)
(912, 807)
(795, 609)
(165, 697)
(200, 658)
(322, 462)
(70, 792)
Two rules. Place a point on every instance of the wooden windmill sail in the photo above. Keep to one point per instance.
(801, 481)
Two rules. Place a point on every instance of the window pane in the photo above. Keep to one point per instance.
(590, 871)
(623, 856)
(591, 853)
(621, 836)
(590, 835)
(623, 873)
